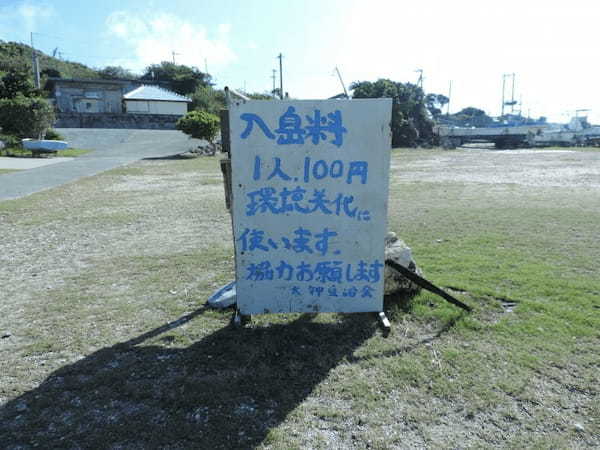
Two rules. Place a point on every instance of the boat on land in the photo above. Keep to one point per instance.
(578, 132)
(44, 145)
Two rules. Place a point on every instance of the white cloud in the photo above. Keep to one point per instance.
(224, 28)
(32, 14)
(25, 16)
(550, 46)
(154, 38)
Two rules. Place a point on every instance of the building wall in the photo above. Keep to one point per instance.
(155, 107)
(122, 120)
(88, 97)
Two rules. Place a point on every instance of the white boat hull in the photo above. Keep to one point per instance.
(44, 144)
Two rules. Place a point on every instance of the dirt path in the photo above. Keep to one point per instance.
(111, 148)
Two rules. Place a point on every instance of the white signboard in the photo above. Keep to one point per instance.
(310, 193)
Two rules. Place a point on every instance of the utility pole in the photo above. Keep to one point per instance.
(449, 97)
(34, 62)
(342, 82)
(273, 77)
(280, 76)
(173, 53)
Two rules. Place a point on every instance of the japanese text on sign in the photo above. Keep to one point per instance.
(310, 204)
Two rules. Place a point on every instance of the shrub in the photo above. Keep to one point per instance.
(16, 81)
(25, 116)
(199, 125)
(54, 135)
(205, 98)
(10, 141)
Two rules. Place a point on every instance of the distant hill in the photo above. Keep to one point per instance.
(14, 54)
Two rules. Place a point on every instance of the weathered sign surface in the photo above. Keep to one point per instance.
(310, 193)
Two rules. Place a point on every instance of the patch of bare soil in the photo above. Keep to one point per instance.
(542, 168)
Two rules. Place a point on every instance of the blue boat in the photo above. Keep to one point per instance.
(44, 144)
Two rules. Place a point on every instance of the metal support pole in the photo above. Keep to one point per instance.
(449, 97)
(512, 97)
(426, 284)
(503, 85)
(342, 82)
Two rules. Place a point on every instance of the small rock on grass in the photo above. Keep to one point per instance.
(398, 251)
(6, 335)
(578, 427)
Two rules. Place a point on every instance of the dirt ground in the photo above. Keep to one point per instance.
(526, 167)
(104, 343)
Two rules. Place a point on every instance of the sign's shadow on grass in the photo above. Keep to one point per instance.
(225, 391)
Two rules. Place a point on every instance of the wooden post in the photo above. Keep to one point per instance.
(226, 161)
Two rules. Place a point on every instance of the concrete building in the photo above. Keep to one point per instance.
(90, 96)
(115, 97)
(155, 100)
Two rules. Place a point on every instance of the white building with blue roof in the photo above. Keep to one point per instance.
(148, 99)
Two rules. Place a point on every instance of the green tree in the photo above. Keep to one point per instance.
(183, 79)
(50, 73)
(205, 98)
(16, 81)
(434, 104)
(199, 125)
(13, 56)
(471, 117)
(25, 116)
(116, 72)
(16, 55)
(259, 96)
(410, 123)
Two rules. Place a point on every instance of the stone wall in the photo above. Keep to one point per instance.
(108, 120)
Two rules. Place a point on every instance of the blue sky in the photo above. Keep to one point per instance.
(550, 45)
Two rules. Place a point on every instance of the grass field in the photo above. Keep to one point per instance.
(24, 153)
(2, 171)
(106, 342)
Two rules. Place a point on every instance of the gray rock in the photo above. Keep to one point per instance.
(398, 251)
